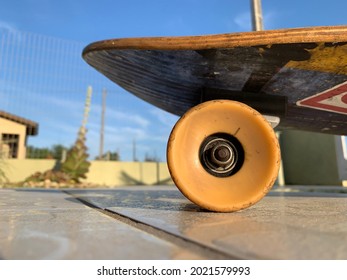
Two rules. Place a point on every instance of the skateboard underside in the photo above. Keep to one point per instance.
(173, 80)
(222, 154)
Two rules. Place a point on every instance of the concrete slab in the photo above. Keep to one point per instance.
(281, 226)
(51, 224)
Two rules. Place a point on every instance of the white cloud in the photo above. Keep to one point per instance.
(8, 27)
(60, 117)
(128, 117)
(243, 21)
(164, 118)
(270, 20)
(112, 115)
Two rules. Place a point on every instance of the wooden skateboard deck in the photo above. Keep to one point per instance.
(299, 75)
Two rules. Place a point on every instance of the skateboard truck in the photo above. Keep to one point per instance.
(272, 107)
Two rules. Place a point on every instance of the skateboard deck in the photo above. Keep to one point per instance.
(298, 75)
(223, 153)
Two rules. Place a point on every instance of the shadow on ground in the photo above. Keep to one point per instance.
(171, 200)
(168, 199)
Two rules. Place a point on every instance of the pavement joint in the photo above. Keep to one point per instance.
(196, 247)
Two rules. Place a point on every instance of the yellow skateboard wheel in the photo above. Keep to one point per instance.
(223, 155)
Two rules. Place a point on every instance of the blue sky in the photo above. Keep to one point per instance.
(87, 21)
(128, 118)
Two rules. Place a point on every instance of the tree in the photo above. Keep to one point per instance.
(38, 153)
(76, 164)
(111, 156)
(151, 158)
(55, 152)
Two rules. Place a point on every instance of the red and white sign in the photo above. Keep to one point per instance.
(332, 100)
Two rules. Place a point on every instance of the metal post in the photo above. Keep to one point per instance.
(257, 25)
(134, 150)
(257, 15)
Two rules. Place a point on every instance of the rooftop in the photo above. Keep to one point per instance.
(31, 126)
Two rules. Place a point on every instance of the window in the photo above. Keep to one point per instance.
(10, 142)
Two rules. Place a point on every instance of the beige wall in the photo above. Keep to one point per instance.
(18, 169)
(106, 173)
(128, 173)
(10, 127)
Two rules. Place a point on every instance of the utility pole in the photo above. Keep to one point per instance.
(257, 25)
(102, 127)
(257, 15)
(134, 150)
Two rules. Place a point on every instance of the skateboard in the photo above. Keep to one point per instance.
(231, 90)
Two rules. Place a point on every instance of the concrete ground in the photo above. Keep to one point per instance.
(159, 223)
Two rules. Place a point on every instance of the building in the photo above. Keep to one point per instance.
(14, 132)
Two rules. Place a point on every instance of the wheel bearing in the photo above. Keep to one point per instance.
(221, 155)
